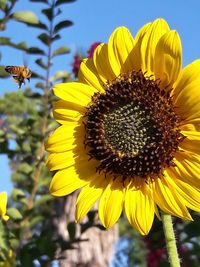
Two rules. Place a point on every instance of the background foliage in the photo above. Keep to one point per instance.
(30, 238)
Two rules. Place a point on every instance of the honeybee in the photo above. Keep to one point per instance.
(19, 73)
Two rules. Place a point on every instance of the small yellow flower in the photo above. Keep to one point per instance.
(3, 204)
(130, 130)
(10, 261)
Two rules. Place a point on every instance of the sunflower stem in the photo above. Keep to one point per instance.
(170, 240)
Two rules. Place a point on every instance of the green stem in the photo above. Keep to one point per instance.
(170, 240)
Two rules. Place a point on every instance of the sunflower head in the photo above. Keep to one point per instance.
(129, 130)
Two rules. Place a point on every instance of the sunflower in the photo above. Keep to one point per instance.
(3, 204)
(129, 130)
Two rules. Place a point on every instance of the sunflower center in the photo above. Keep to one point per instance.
(128, 129)
(132, 129)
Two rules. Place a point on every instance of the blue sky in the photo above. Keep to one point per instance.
(94, 21)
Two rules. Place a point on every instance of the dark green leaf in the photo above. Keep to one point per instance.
(36, 75)
(35, 51)
(44, 38)
(14, 214)
(60, 51)
(2, 24)
(26, 17)
(192, 229)
(56, 37)
(4, 41)
(39, 85)
(60, 2)
(48, 12)
(62, 24)
(40, 25)
(41, 63)
(71, 227)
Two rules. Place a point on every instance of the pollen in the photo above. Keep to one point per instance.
(132, 129)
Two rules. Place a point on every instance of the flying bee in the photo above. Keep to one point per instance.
(19, 73)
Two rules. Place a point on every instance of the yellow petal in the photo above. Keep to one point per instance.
(135, 54)
(187, 92)
(64, 111)
(3, 204)
(149, 42)
(111, 203)
(75, 92)
(188, 195)
(139, 209)
(168, 58)
(120, 44)
(65, 138)
(65, 182)
(56, 161)
(192, 141)
(89, 195)
(188, 168)
(88, 75)
(191, 125)
(102, 63)
(168, 201)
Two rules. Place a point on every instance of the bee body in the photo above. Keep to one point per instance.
(19, 73)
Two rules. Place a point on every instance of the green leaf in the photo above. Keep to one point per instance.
(26, 17)
(40, 25)
(2, 132)
(4, 243)
(3, 73)
(56, 37)
(25, 168)
(48, 12)
(14, 214)
(62, 24)
(35, 51)
(36, 75)
(4, 41)
(43, 199)
(7, 41)
(60, 2)
(36, 220)
(40, 63)
(44, 38)
(20, 46)
(2, 4)
(60, 51)
(17, 194)
(60, 75)
(39, 85)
